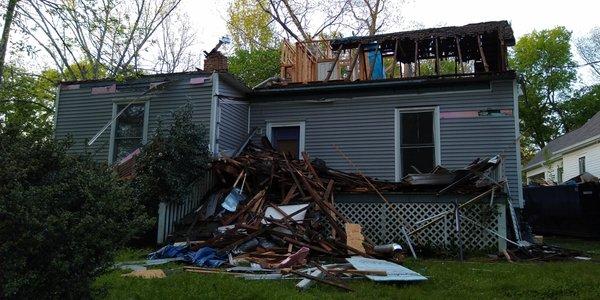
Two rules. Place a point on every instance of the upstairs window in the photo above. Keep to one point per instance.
(129, 130)
(287, 138)
(417, 141)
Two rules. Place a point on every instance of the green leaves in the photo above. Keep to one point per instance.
(169, 164)
(62, 217)
(583, 105)
(252, 67)
(27, 101)
(544, 60)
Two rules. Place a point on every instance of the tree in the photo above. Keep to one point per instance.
(372, 16)
(175, 45)
(62, 218)
(8, 19)
(110, 34)
(249, 26)
(295, 18)
(252, 67)
(584, 104)
(545, 61)
(27, 101)
(169, 164)
(588, 49)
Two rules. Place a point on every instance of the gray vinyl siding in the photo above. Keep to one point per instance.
(232, 125)
(82, 114)
(363, 127)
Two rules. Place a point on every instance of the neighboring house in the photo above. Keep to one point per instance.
(568, 155)
(388, 127)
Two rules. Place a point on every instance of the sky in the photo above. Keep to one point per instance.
(208, 18)
(578, 16)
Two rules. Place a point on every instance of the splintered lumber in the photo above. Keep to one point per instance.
(290, 204)
(483, 59)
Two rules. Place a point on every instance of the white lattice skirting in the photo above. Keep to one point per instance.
(381, 223)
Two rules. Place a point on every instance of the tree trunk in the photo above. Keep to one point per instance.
(10, 12)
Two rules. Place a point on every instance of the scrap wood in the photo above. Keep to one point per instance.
(305, 283)
(321, 280)
(354, 236)
(265, 227)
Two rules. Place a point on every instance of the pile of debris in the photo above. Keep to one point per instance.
(275, 217)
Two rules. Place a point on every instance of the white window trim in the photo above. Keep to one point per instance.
(301, 124)
(397, 130)
(113, 126)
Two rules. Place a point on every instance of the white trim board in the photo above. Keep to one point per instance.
(302, 126)
(397, 130)
(213, 114)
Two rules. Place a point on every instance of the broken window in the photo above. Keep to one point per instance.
(287, 137)
(417, 142)
(129, 130)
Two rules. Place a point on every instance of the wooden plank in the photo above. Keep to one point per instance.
(330, 71)
(437, 58)
(485, 64)
(417, 64)
(353, 64)
(458, 50)
(311, 170)
(502, 64)
(317, 279)
(290, 195)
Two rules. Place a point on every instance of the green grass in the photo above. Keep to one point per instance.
(448, 279)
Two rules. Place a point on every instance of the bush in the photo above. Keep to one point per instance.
(169, 164)
(62, 218)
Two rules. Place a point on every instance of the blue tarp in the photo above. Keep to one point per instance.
(375, 61)
(205, 257)
(169, 251)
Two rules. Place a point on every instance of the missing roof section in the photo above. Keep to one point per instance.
(467, 50)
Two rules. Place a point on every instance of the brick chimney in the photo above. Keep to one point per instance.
(215, 61)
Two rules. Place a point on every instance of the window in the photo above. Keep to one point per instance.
(582, 165)
(129, 130)
(559, 175)
(417, 141)
(287, 137)
(537, 178)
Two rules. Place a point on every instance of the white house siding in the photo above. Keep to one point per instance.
(550, 173)
(536, 171)
(363, 127)
(592, 161)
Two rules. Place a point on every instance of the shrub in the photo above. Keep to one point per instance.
(170, 163)
(62, 218)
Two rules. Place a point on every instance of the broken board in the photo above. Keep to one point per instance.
(395, 272)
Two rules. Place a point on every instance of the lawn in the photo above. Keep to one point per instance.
(475, 278)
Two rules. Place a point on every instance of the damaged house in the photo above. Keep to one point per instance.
(395, 105)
